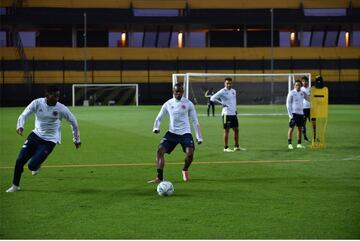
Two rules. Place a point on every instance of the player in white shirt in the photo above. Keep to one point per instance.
(227, 98)
(179, 110)
(306, 104)
(47, 133)
(294, 105)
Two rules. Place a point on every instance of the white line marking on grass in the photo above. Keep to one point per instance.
(169, 163)
(351, 158)
(253, 114)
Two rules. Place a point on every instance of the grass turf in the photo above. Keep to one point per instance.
(315, 199)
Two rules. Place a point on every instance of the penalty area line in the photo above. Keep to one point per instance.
(168, 163)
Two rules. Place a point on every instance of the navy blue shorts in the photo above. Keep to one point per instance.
(230, 121)
(37, 149)
(170, 141)
(297, 120)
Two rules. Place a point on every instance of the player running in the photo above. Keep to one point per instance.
(42, 140)
(179, 109)
(294, 105)
(227, 98)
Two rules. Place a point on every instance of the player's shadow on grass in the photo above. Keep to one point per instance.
(121, 193)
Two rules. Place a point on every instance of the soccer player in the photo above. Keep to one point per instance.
(294, 105)
(179, 109)
(306, 104)
(211, 104)
(42, 140)
(227, 98)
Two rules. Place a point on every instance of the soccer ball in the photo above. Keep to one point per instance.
(165, 188)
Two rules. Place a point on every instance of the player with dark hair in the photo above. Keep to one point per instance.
(42, 140)
(227, 98)
(179, 109)
(294, 105)
(319, 84)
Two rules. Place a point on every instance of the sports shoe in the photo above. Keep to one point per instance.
(34, 173)
(305, 138)
(239, 149)
(290, 146)
(299, 146)
(13, 188)
(228, 150)
(156, 180)
(186, 177)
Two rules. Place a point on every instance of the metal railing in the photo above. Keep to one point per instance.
(17, 43)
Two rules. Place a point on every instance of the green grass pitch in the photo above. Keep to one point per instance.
(262, 193)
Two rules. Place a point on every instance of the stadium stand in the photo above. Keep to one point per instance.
(145, 42)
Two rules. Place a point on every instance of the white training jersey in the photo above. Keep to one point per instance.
(179, 112)
(306, 103)
(227, 98)
(48, 120)
(294, 102)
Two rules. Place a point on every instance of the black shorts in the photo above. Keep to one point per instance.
(170, 141)
(306, 114)
(297, 120)
(230, 121)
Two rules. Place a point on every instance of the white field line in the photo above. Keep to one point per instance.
(168, 163)
(351, 158)
(250, 114)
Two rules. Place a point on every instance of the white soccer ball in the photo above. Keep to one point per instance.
(165, 188)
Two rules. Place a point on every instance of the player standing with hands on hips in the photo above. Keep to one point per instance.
(294, 105)
(179, 109)
(47, 133)
(227, 98)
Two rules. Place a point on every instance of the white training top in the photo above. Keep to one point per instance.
(294, 102)
(228, 99)
(48, 120)
(306, 104)
(179, 112)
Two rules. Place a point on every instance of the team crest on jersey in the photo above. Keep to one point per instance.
(183, 107)
(55, 113)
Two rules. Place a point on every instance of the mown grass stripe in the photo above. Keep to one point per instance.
(169, 163)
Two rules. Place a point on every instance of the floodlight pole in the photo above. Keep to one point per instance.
(272, 41)
(272, 53)
(85, 55)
